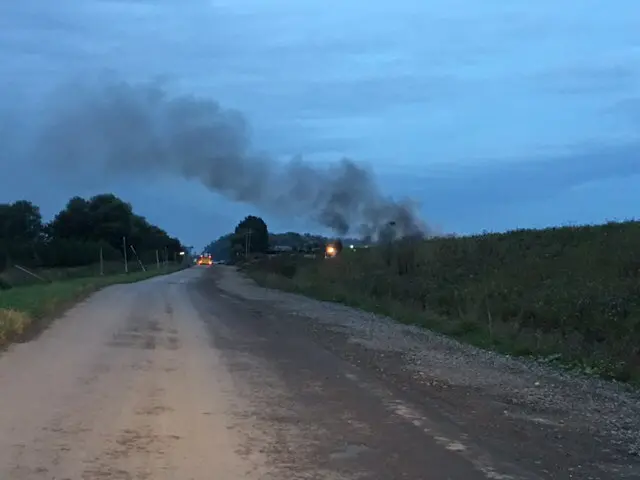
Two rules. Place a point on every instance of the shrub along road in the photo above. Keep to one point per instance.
(203, 373)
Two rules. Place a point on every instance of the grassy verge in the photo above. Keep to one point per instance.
(14, 277)
(23, 309)
(569, 296)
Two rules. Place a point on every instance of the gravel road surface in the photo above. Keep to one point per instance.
(204, 375)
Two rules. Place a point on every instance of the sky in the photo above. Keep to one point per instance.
(492, 115)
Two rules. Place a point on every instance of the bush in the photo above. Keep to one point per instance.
(12, 323)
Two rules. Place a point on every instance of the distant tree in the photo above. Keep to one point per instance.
(73, 221)
(174, 247)
(79, 232)
(256, 230)
(107, 218)
(20, 221)
(20, 230)
(220, 249)
(111, 218)
(297, 241)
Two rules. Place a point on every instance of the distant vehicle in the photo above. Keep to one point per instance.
(205, 260)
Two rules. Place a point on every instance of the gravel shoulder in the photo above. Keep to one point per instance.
(556, 424)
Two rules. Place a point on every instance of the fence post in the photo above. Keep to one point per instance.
(138, 258)
(124, 245)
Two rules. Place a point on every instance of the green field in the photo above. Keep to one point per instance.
(23, 308)
(569, 296)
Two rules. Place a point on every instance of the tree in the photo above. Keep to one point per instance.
(20, 221)
(103, 217)
(20, 230)
(221, 248)
(73, 221)
(253, 229)
(112, 218)
(107, 218)
(79, 233)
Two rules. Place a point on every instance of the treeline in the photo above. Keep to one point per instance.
(253, 234)
(306, 241)
(77, 236)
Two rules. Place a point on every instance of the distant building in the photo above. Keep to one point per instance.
(281, 248)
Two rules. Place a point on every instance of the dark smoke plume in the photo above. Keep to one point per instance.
(126, 130)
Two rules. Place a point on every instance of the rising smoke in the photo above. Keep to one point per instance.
(120, 129)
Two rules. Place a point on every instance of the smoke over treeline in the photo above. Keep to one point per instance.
(124, 130)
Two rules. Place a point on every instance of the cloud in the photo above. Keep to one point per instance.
(499, 181)
(581, 186)
(589, 79)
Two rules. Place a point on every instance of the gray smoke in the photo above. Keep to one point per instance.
(120, 129)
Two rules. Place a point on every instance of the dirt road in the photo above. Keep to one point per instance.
(202, 375)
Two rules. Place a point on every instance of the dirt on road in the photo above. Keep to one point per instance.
(203, 375)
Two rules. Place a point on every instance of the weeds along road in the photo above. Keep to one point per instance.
(203, 375)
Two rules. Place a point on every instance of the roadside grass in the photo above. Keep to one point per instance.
(14, 277)
(25, 310)
(569, 296)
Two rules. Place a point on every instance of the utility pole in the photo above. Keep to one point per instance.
(247, 243)
(124, 245)
(138, 258)
(101, 263)
(157, 259)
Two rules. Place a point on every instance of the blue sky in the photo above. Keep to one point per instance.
(493, 115)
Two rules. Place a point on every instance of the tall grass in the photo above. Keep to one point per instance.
(14, 277)
(570, 295)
